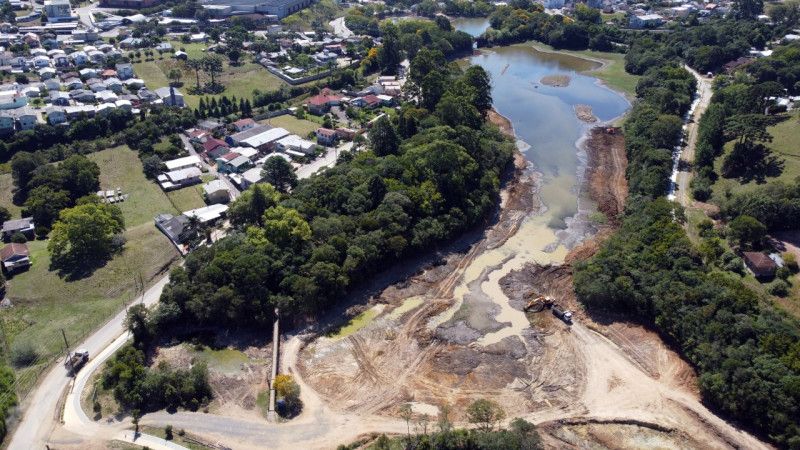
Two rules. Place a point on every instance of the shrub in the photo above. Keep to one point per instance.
(779, 288)
(23, 354)
(168, 432)
(790, 261)
(19, 238)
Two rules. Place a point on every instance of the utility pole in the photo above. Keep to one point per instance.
(66, 344)
(276, 336)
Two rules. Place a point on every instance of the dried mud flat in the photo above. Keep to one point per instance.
(584, 113)
(589, 385)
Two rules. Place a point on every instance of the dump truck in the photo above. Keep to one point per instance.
(563, 314)
(75, 360)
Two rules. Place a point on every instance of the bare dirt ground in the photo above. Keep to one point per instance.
(600, 383)
(584, 113)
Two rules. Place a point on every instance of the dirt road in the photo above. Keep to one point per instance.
(681, 190)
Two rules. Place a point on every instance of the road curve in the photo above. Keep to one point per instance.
(41, 412)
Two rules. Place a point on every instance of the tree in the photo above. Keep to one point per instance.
(285, 226)
(83, 234)
(748, 128)
(22, 166)
(383, 138)
(746, 231)
(748, 9)
(197, 66)
(289, 391)
(151, 166)
(175, 76)
(44, 204)
(279, 173)
(4, 214)
(249, 208)
(406, 413)
(80, 176)
(389, 52)
(212, 65)
(485, 414)
(477, 77)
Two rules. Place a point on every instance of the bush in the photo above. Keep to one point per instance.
(790, 261)
(783, 273)
(19, 238)
(779, 288)
(23, 354)
(168, 432)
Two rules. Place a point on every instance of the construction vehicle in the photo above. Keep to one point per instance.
(75, 360)
(539, 304)
(563, 314)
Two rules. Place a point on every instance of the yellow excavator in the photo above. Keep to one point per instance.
(539, 304)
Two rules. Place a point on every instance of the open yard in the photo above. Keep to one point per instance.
(786, 135)
(239, 81)
(187, 198)
(44, 303)
(300, 127)
(6, 195)
(612, 73)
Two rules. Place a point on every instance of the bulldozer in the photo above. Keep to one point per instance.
(539, 304)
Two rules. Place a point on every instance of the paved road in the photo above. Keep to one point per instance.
(681, 190)
(40, 414)
(323, 162)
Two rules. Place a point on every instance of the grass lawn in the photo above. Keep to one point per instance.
(239, 81)
(323, 11)
(44, 303)
(6, 195)
(187, 198)
(784, 145)
(300, 127)
(120, 167)
(612, 73)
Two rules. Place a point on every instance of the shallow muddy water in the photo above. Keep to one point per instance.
(549, 134)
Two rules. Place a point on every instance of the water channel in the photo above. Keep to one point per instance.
(549, 134)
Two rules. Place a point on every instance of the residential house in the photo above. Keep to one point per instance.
(368, 101)
(124, 71)
(176, 229)
(72, 83)
(146, 95)
(183, 163)
(7, 124)
(321, 104)
(52, 84)
(170, 96)
(216, 191)
(24, 226)
(646, 21)
(108, 73)
(214, 148)
(113, 84)
(83, 96)
(198, 136)
(56, 115)
(346, 134)
(210, 125)
(295, 143)
(760, 264)
(88, 73)
(135, 84)
(12, 100)
(233, 163)
(180, 178)
(15, 257)
(59, 98)
(244, 124)
(326, 136)
(78, 111)
(79, 58)
(124, 105)
(26, 117)
(251, 177)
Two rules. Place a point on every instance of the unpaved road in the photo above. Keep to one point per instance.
(684, 176)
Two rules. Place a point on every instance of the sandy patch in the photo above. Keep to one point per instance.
(556, 80)
(585, 114)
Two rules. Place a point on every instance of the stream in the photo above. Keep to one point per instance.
(549, 135)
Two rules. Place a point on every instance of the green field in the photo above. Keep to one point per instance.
(239, 81)
(187, 198)
(300, 127)
(321, 12)
(6, 195)
(612, 73)
(785, 135)
(45, 303)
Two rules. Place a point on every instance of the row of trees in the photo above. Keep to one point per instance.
(744, 350)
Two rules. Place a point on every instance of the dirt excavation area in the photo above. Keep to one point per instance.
(457, 331)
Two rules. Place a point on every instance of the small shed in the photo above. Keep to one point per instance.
(760, 264)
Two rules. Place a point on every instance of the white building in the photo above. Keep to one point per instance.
(58, 11)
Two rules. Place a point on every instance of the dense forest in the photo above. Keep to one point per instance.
(746, 352)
